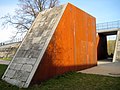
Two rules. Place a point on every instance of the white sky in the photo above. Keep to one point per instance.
(8, 31)
(111, 37)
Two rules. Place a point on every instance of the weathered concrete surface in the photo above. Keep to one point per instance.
(105, 68)
(108, 31)
(117, 48)
(24, 64)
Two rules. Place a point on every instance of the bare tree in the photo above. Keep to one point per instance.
(27, 12)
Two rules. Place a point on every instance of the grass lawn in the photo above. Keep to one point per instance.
(69, 81)
(7, 59)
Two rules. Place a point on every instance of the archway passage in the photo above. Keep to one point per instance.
(111, 42)
(103, 45)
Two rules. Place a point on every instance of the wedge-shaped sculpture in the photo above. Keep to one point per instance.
(60, 39)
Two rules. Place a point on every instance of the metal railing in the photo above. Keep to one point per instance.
(11, 41)
(108, 25)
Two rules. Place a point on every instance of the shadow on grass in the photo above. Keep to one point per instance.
(69, 81)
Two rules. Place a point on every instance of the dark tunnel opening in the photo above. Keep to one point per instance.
(106, 46)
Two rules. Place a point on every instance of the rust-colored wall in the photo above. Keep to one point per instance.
(72, 47)
(101, 47)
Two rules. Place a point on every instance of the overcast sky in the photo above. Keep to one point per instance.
(103, 10)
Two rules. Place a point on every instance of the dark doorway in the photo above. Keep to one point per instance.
(106, 46)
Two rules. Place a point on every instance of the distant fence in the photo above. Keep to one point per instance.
(108, 25)
(11, 41)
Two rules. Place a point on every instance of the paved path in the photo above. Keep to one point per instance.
(4, 62)
(105, 68)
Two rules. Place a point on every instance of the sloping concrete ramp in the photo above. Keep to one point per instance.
(23, 66)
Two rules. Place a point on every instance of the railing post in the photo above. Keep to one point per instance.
(108, 25)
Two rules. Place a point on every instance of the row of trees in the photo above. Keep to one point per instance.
(26, 13)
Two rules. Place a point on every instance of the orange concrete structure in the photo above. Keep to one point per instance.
(72, 47)
(61, 39)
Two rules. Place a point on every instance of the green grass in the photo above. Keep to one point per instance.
(7, 59)
(69, 81)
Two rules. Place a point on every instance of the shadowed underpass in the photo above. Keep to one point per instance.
(104, 30)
